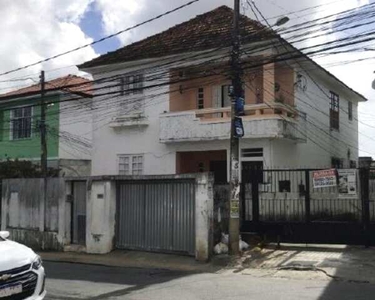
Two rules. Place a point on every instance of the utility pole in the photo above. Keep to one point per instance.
(236, 93)
(43, 142)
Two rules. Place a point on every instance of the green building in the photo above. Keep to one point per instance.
(68, 124)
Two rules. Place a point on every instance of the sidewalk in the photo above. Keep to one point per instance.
(131, 259)
(331, 262)
(318, 262)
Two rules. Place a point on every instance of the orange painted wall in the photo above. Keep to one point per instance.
(255, 83)
(187, 100)
(284, 75)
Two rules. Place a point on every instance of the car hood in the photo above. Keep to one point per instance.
(14, 255)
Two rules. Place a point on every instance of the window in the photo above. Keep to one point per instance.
(350, 111)
(200, 99)
(252, 152)
(284, 186)
(131, 164)
(334, 111)
(137, 165)
(336, 163)
(353, 164)
(132, 85)
(20, 123)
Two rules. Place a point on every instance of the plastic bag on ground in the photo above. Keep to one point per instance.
(243, 245)
(221, 248)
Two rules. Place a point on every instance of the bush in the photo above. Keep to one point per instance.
(23, 169)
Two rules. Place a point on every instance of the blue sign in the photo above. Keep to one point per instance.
(240, 106)
(238, 128)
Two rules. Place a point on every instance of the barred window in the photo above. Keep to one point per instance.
(200, 97)
(336, 163)
(21, 119)
(132, 85)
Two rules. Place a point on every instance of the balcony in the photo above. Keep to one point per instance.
(260, 121)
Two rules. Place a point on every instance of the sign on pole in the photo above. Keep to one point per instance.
(324, 178)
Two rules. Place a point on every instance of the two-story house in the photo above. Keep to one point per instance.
(68, 124)
(170, 109)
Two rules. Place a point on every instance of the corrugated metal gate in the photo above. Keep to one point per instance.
(156, 215)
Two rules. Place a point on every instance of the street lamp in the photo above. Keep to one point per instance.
(281, 21)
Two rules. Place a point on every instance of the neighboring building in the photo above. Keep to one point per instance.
(150, 127)
(68, 120)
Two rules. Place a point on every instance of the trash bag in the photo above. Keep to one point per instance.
(221, 248)
(243, 245)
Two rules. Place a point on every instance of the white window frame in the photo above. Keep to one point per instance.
(11, 135)
(135, 164)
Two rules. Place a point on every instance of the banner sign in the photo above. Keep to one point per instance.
(324, 178)
(347, 182)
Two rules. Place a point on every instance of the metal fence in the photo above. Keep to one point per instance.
(284, 203)
(156, 215)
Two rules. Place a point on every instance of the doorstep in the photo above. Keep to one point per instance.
(75, 248)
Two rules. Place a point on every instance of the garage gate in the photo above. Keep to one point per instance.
(156, 215)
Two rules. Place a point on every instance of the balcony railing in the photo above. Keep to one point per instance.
(260, 121)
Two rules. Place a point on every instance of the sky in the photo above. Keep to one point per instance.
(32, 30)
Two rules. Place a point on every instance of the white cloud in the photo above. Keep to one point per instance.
(33, 30)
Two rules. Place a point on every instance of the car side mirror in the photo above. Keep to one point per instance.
(4, 234)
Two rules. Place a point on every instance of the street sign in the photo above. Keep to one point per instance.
(240, 106)
(238, 128)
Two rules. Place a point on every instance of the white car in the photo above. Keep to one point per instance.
(21, 271)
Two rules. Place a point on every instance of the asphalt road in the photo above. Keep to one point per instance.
(77, 281)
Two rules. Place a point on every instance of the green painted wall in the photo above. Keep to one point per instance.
(30, 148)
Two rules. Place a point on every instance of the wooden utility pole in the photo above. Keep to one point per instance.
(42, 125)
(236, 93)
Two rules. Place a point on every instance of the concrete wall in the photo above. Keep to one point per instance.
(204, 223)
(74, 167)
(100, 220)
(30, 220)
(101, 213)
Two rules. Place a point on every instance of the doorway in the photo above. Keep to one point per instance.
(78, 213)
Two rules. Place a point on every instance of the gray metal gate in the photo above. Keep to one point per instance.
(156, 215)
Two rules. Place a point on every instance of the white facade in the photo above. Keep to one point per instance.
(158, 134)
(75, 136)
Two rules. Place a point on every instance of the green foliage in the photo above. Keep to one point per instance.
(23, 169)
